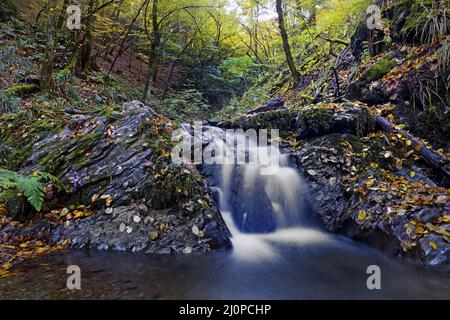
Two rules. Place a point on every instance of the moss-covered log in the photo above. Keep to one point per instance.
(430, 156)
(22, 90)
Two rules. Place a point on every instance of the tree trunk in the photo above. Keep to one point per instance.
(88, 40)
(287, 48)
(62, 15)
(50, 52)
(125, 35)
(153, 54)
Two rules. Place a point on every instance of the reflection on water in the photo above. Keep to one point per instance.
(291, 264)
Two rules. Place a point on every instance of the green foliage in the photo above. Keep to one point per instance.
(338, 16)
(11, 60)
(428, 19)
(174, 185)
(8, 102)
(443, 55)
(7, 9)
(238, 69)
(13, 184)
(113, 91)
(260, 92)
(186, 105)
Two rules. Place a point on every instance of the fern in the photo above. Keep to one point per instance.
(13, 184)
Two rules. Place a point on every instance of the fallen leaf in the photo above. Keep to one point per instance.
(434, 245)
(154, 235)
(362, 215)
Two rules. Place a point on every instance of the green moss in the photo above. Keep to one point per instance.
(316, 120)
(110, 111)
(380, 68)
(65, 73)
(69, 153)
(20, 130)
(21, 89)
(175, 186)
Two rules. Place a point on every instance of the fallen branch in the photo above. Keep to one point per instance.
(337, 41)
(434, 159)
(22, 90)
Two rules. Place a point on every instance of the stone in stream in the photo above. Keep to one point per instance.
(371, 217)
(109, 163)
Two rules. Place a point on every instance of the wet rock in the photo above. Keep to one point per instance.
(434, 250)
(416, 233)
(107, 163)
(121, 231)
(329, 200)
(428, 214)
(99, 156)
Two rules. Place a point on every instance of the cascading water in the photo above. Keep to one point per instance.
(260, 209)
(277, 253)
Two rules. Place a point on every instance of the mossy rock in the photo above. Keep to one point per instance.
(311, 121)
(380, 68)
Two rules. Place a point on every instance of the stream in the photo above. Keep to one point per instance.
(279, 252)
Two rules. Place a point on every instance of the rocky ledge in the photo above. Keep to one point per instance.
(122, 191)
(366, 184)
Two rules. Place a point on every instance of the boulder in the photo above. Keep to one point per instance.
(115, 164)
(129, 228)
(353, 197)
(311, 121)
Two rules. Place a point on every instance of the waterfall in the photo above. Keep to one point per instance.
(260, 209)
(258, 203)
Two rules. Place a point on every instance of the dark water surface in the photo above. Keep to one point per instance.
(292, 264)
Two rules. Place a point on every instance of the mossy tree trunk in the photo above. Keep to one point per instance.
(153, 54)
(286, 47)
(88, 38)
(50, 52)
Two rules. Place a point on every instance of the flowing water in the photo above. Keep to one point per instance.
(278, 253)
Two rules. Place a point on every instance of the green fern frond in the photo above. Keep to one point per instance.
(33, 190)
(12, 184)
(7, 195)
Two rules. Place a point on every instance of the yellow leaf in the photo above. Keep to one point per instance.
(441, 199)
(419, 230)
(412, 174)
(41, 249)
(154, 235)
(434, 245)
(362, 215)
